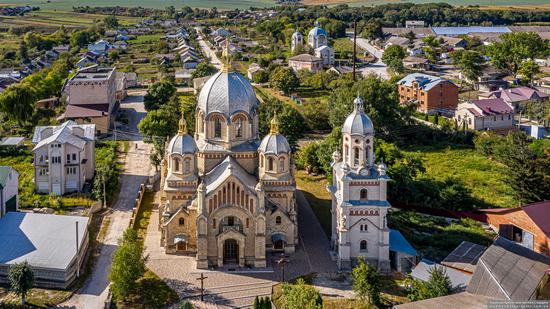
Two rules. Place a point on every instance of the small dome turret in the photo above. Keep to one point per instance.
(358, 122)
(274, 142)
(182, 143)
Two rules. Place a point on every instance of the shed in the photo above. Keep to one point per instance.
(402, 255)
(459, 280)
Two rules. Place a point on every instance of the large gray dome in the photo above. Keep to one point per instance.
(227, 93)
(182, 144)
(274, 144)
(358, 122)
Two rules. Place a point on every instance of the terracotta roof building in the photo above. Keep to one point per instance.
(489, 114)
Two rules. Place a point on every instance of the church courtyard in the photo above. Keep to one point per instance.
(239, 287)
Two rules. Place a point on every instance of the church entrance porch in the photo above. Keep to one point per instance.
(230, 252)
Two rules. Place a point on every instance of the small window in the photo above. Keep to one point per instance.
(187, 166)
(181, 221)
(176, 165)
(281, 164)
(213, 223)
(278, 220)
(217, 127)
(74, 156)
(68, 158)
(363, 194)
(363, 245)
(239, 127)
(356, 153)
(270, 164)
(247, 222)
(230, 221)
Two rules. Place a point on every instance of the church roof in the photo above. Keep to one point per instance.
(182, 144)
(358, 122)
(228, 167)
(317, 30)
(227, 93)
(274, 144)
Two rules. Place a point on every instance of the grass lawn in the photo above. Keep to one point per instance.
(146, 38)
(435, 237)
(314, 189)
(144, 213)
(36, 298)
(480, 174)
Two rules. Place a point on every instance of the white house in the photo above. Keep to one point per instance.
(64, 157)
(489, 114)
(9, 200)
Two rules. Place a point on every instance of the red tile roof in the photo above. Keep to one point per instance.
(540, 214)
(491, 107)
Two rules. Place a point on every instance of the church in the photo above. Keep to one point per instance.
(228, 197)
(317, 42)
(359, 204)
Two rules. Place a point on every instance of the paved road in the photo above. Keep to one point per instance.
(208, 52)
(378, 68)
(137, 168)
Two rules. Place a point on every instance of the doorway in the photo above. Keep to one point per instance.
(230, 252)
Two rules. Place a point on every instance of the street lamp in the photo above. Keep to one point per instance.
(282, 262)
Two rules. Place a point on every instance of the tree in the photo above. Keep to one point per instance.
(128, 265)
(437, 285)
(159, 123)
(17, 103)
(284, 79)
(203, 69)
(159, 94)
(393, 57)
(307, 159)
(529, 70)
(373, 30)
(366, 282)
(516, 47)
(23, 52)
(526, 172)
(260, 77)
(301, 296)
(291, 122)
(21, 278)
(186, 305)
(469, 62)
(111, 22)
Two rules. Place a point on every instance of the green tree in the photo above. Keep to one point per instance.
(17, 103)
(437, 285)
(186, 305)
(159, 94)
(529, 70)
(159, 124)
(203, 69)
(307, 159)
(373, 30)
(260, 77)
(516, 47)
(301, 296)
(111, 22)
(291, 122)
(366, 282)
(393, 57)
(79, 39)
(284, 79)
(107, 172)
(21, 278)
(23, 53)
(128, 265)
(469, 63)
(527, 173)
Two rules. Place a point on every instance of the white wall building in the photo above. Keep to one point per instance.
(297, 41)
(64, 157)
(489, 114)
(359, 204)
(326, 53)
(9, 197)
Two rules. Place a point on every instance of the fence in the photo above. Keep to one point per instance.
(142, 188)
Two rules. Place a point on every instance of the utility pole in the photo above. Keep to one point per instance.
(77, 254)
(202, 277)
(354, 46)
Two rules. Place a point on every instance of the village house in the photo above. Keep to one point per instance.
(528, 225)
(518, 97)
(432, 94)
(9, 196)
(306, 62)
(253, 69)
(326, 54)
(100, 47)
(91, 97)
(64, 157)
(487, 115)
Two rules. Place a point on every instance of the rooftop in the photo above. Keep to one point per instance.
(491, 107)
(425, 81)
(305, 58)
(93, 73)
(468, 30)
(465, 256)
(459, 280)
(43, 240)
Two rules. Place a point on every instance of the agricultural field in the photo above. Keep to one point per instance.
(67, 5)
(54, 19)
(483, 176)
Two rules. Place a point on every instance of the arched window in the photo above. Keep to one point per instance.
(363, 245)
(278, 220)
(346, 152)
(239, 127)
(176, 164)
(356, 153)
(270, 164)
(217, 127)
(363, 194)
(181, 221)
(187, 165)
(364, 228)
(281, 164)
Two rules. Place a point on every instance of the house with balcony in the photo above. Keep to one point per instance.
(64, 157)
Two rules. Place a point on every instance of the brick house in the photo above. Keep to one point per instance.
(432, 94)
(527, 225)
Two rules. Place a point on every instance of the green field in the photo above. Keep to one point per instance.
(483, 176)
(53, 18)
(243, 4)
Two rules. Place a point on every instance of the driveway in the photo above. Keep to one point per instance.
(207, 51)
(378, 68)
(133, 110)
(137, 168)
